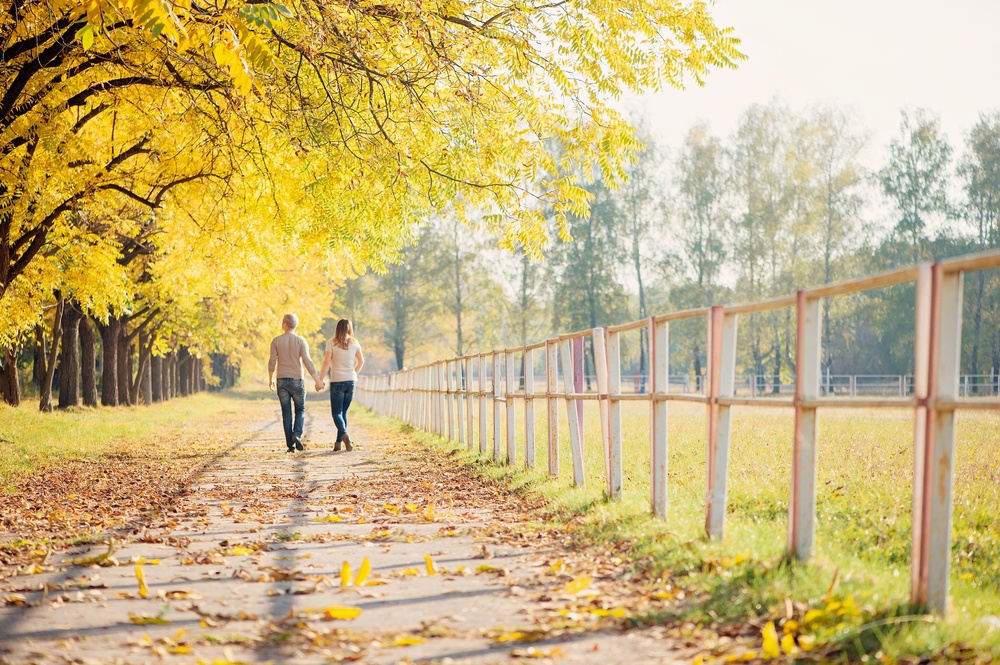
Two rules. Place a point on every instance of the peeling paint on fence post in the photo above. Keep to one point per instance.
(575, 438)
(510, 387)
(552, 404)
(482, 404)
(808, 355)
(497, 381)
(659, 359)
(939, 457)
(722, 375)
(529, 408)
(921, 391)
(614, 406)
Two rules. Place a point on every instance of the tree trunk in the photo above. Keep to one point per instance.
(156, 378)
(10, 387)
(49, 371)
(125, 396)
(145, 372)
(183, 371)
(110, 333)
(88, 363)
(977, 321)
(138, 386)
(171, 375)
(776, 390)
(69, 373)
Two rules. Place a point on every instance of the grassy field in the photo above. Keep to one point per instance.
(30, 440)
(863, 532)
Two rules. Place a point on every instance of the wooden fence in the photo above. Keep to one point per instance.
(440, 397)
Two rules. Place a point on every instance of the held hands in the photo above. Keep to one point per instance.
(320, 385)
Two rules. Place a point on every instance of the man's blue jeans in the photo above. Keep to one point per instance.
(292, 391)
(341, 394)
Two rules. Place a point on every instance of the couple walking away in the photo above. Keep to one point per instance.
(343, 360)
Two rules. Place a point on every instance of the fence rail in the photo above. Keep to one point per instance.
(442, 397)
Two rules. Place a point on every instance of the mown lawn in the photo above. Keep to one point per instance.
(30, 440)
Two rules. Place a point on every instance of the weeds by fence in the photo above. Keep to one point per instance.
(442, 397)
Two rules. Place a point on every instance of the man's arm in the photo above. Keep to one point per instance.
(271, 363)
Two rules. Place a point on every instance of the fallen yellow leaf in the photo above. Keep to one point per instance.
(406, 641)
(340, 613)
(363, 572)
(345, 574)
(430, 564)
(770, 646)
(578, 584)
(142, 619)
(143, 589)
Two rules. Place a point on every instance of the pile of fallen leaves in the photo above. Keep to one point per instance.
(81, 501)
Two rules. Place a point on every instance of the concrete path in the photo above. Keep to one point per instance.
(250, 570)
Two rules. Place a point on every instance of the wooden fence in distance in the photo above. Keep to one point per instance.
(439, 397)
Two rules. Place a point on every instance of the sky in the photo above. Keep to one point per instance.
(871, 57)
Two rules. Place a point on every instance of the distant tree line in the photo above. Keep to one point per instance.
(782, 203)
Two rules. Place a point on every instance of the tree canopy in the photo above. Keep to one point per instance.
(176, 161)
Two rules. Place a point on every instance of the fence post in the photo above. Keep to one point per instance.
(575, 440)
(614, 406)
(509, 387)
(659, 358)
(601, 374)
(529, 408)
(482, 403)
(937, 480)
(921, 391)
(552, 404)
(448, 386)
(470, 431)
(579, 372)
(808, 354)
(433, 377)
(457, 398)
(497, 365)
(721, 378)
(444, 408)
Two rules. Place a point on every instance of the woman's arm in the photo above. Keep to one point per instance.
(359, 361)
(327, 361)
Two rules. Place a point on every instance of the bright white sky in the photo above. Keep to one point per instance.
(873, 57)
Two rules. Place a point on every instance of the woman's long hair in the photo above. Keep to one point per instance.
(344, 334)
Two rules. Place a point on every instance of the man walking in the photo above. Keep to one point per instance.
(288, 353)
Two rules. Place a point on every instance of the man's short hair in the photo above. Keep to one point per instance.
(291, 321)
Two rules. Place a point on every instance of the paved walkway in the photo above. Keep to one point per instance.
(250, 570)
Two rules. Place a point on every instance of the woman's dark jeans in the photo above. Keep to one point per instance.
(341, 394)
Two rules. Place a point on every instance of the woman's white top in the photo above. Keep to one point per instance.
(342, 361)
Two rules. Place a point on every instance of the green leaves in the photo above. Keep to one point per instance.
(265, 16)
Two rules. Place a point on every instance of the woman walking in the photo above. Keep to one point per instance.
(343, 358)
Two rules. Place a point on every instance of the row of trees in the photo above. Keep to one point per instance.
(176, 174)
(782, 203)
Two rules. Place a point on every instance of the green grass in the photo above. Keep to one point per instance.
(863, 517)
(31, 440)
